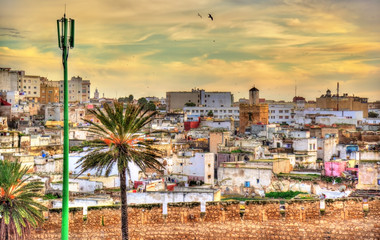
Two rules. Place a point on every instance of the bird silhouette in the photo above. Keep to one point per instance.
(210, 16)
(199, 15)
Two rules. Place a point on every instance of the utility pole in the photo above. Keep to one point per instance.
(65, 43)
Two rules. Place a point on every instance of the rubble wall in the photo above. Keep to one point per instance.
(295, 219)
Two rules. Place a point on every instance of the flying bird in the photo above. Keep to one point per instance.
(210, 16)
(199, 15)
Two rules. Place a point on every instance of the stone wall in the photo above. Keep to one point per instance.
(301, 219)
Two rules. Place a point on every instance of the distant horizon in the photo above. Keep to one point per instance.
(146, 49)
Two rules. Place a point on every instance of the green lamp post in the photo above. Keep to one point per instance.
(65, 43)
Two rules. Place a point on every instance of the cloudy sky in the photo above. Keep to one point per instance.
(149, 47)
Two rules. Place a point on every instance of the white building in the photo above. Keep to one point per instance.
(327, 147)
(9, 79)
(14, 97)
(218, 112)
(236, 176)
(227, 124)
(328, 117)
(216, 99)
(198, 166)
(281, 113)
(305, 150)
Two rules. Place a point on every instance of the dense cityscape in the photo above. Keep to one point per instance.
(190, 120)
(213, 148)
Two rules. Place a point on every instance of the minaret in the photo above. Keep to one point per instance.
(96, 94)
(253, 96)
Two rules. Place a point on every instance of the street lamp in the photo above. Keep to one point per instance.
(65, 44)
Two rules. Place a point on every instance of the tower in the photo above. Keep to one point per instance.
(253, 96)
(252, 113)
(96, 94)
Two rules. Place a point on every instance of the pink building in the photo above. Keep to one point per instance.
(335, 169)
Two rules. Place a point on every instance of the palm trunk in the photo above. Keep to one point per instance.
(124, 205)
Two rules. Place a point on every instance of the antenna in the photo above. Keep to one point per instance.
(295, 88)
(337, 96)
(65, 11)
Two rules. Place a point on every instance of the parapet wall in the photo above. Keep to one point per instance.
(301, 219)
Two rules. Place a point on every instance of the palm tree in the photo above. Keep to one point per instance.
(119, 144)
(18, 210)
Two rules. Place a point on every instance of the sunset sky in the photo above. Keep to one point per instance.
(146, 48)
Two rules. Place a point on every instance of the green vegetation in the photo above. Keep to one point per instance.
(210, 114)
(190, 104)
(283, 195)
(49, 196)
(331, 179)
(19, 213)
(76, 149)
(119, 128)
(373, 115)
(126, 99)
(299, 177)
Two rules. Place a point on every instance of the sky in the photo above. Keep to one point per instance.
(147, 48)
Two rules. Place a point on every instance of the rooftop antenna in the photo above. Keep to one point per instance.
(295, 88)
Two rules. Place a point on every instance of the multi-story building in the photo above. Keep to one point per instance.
(198, 97)
(30, 85)
(343, 103)
(281, 113)
(49, 93)
(218, 113)
(79, 89)
(9, 79)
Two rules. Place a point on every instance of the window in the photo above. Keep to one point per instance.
(209, 165)
(29, 81)
(35, 87)
(257, 181)
(286, 111)
(247, 184)
(50, 91)
(280, 111)
(35, 92)
(280, 117)
(286, 117)
(272, 111)
(209, 176)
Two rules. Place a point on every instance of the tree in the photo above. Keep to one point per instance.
(126, 99)
(210, 114)
(190, 104)
(142, 101)
(119, 144)
(150, 106)
(19, 213)
(373, 115)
